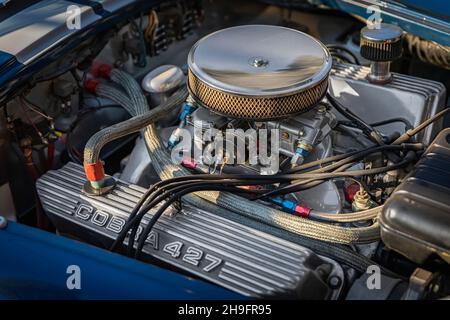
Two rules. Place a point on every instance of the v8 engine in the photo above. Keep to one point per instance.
(252, 156)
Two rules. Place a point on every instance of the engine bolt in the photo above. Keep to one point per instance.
(259, 62)
(321, 109)
(334, 282)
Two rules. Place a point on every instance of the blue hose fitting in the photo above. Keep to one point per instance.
(288, 205)
(187, 109)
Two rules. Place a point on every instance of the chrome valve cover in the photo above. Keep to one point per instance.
(200, 243)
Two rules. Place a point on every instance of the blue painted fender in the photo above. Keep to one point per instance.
(34, 265)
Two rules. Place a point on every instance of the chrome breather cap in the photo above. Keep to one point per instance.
(258, 72)
(382, 42)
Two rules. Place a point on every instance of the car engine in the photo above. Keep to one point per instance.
(225, 143)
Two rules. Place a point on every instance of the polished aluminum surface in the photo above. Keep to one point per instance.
(380, 72)
(259, 61)
(224, 252)
(414, 99)
(163, 79)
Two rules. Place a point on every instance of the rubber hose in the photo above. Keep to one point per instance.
(348, 217)
(114, 94)
(119, 130)
(340, 253)
(134, 91)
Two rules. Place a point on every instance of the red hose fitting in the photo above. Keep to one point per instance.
(350, 191)
(302, 211)
(101, 70)
(94, 171)
(189, 163)
(91, 85)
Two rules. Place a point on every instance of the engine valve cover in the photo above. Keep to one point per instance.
(415, 221)
(200, 243)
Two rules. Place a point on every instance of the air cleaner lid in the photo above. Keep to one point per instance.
(259, 61)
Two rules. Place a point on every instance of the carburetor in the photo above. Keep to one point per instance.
(300, 135)
(237, 76)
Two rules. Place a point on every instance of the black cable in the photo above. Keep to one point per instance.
(311, 183)
(357, 135)
(215, 185)
(144, 200)
(355, 155)
(353, 130)
(159, 195)
(367, 129)
(168, 184)
(302, 185)
(407, 124)
(340, 56)
(174, 197)
(297, 186)
(179, 191)
(342, 48)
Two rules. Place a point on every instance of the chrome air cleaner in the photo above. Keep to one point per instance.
(258, 72)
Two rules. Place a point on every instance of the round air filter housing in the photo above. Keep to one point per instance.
(258, 72)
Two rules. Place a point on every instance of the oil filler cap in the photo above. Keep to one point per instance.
(382, 42)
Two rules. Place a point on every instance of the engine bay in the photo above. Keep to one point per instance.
(277, 152)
